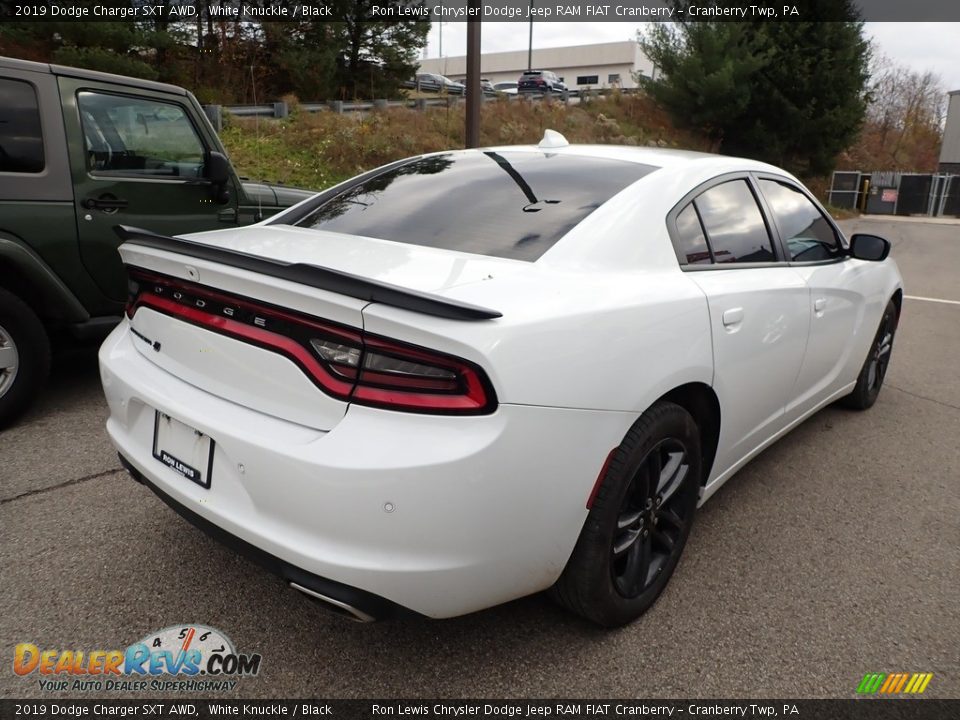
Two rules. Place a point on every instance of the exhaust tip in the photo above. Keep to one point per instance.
(336, 606)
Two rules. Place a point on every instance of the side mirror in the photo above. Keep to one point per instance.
(217, 171)
(869, 247)
(217, 168)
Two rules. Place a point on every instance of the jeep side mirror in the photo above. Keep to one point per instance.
(217, 171)
(869, 247)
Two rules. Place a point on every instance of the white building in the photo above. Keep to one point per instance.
(602, 65)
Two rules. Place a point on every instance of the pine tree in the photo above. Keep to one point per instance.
(789, 93)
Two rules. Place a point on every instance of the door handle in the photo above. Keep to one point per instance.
(819, 305)
(110, 203)
(732, 317)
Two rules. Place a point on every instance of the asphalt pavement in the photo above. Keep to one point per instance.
(834, 553)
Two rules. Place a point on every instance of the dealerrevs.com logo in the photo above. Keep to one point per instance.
(179, 658)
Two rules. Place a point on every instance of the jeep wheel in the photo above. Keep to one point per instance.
(24, 357)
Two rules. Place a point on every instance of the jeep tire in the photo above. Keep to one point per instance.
(24, 356)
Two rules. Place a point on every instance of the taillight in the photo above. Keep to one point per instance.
(406, 377)
(343, 362)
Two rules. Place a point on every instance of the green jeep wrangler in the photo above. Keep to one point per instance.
(81, 152)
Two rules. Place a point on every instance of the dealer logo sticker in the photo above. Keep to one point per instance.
(179, 658)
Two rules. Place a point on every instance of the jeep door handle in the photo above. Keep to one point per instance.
(104, 204)
(819, 305)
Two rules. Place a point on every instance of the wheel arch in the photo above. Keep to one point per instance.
(700, 400)
(898, 301)
(26, 275)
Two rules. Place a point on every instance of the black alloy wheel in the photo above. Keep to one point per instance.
(880, 353)
(874, 369)
(652, 519)
(639, 521)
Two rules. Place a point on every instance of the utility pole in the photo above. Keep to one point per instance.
(474, 91)
(530, 45)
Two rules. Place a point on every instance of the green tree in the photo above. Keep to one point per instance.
(105, 46)
(791, 93)
(374, 57)
(233, 59)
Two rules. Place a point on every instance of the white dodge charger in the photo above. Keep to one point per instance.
(470, 376)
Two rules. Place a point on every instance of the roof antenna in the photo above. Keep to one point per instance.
(552, 139)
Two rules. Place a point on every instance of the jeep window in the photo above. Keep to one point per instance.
(21, 144)
(137, 137)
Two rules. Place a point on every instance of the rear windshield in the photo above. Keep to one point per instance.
(512, 204)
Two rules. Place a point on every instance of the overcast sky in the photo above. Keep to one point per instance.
(921, 46)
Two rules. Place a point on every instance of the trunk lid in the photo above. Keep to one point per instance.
(413, 267)
(209, 322)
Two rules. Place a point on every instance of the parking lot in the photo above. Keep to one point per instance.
(834, 553)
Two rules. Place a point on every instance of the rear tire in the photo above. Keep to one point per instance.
(639, 523)
(24, 357)
(874, 369)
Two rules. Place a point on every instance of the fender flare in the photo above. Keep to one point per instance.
(58, 301)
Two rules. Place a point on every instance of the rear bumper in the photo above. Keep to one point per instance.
(386, 510)
(350, 601)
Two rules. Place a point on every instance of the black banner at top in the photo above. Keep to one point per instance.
(630, 11)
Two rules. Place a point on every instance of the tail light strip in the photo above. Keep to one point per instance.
(345, 363)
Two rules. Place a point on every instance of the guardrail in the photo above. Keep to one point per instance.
(281, 109)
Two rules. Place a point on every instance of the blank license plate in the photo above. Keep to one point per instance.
(183, 449)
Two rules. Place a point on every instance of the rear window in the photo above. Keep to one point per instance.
(512, 205)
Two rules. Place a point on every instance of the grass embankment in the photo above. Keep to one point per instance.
(316, 150)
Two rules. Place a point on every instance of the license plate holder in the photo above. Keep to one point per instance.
(186, 451)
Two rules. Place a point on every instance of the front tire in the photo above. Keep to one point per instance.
(874, 368)
(24, 357)
(639, 522)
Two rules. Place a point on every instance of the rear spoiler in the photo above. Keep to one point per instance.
(313, 276)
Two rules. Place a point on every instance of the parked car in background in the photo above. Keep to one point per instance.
(398, 407)
(507, 88)
(486, 86)
(432, 82)
(540, 81)
(80, 152)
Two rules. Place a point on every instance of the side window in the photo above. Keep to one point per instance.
(137, 137)
(734, 225)
(21, 143)
(806, 233)
(691, 243)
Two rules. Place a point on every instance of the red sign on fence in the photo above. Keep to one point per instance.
(889, 195)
